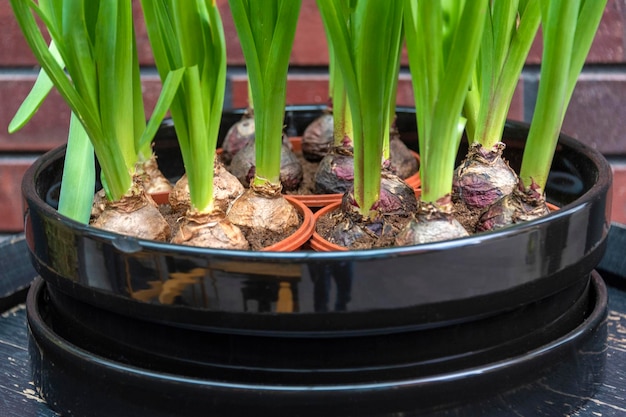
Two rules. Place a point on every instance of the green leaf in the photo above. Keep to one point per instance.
(86, 111)
(356, 34)
(114, 64)
(43, 85)
(501, 61)
(25, 19)
(188, 40)
(79, 174)
(78, 52)
(442, 64)
(266, 32)
(170, 87)
(568, 31)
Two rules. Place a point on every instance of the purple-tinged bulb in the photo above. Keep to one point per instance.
(401, 161)
(243, 166)
(517, 207)
(483, 177)
(317, 138)
(237, 137)
(335, 173)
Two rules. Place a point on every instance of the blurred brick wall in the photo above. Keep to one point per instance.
(597, 113)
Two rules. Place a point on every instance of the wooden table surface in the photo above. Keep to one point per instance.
(18, 397)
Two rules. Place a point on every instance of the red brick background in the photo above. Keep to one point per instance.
(597, 113)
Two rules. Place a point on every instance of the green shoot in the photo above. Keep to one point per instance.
(343, 131)
(441, 61)
(569, 27)
(364, 48)
(342, 119)
(510, 28)
(79, 170)
(266, 32)
(190, 34)
(392, 98)
(79, 174)
(34, 99)
(95, 40)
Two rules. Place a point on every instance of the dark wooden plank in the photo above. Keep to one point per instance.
(18, 396)
(13, 331)
(16, 271)
(610, 398)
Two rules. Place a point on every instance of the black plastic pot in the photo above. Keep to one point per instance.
(380, 326)
(553, 378)
(382, 291)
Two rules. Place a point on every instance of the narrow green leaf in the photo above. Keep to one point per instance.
(190, 34)
(53, 9)
(79, 174)
(589, 18)
(169, 89)
(499, 88)
(77, 51)
(270, 113)
(200, 189)
(42, 87)
(442, 60)
(569, 29)
(266, 31)
(113, 58)
(560, 20)
(356, 34)
(505, 14)
(49, 63)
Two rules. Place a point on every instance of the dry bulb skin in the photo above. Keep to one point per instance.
(153, 180)
(317, 138)
(226, 188)
(432, 223)
(483, 177)
(99, 202)
(264, 208)
(135, 214)
(392, 211)
(396, 198)
(238, 136)
(210, 230)
(243, 165)
(519, 206)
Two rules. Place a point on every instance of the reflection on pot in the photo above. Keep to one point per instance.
(167, 291)
(322, 274)
(270, 288)
(262, 288)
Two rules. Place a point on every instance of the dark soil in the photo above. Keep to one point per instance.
(327, 223)
(171, 217)
(392, 224)
(307, 186)
(260, 239)
(467, 216)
